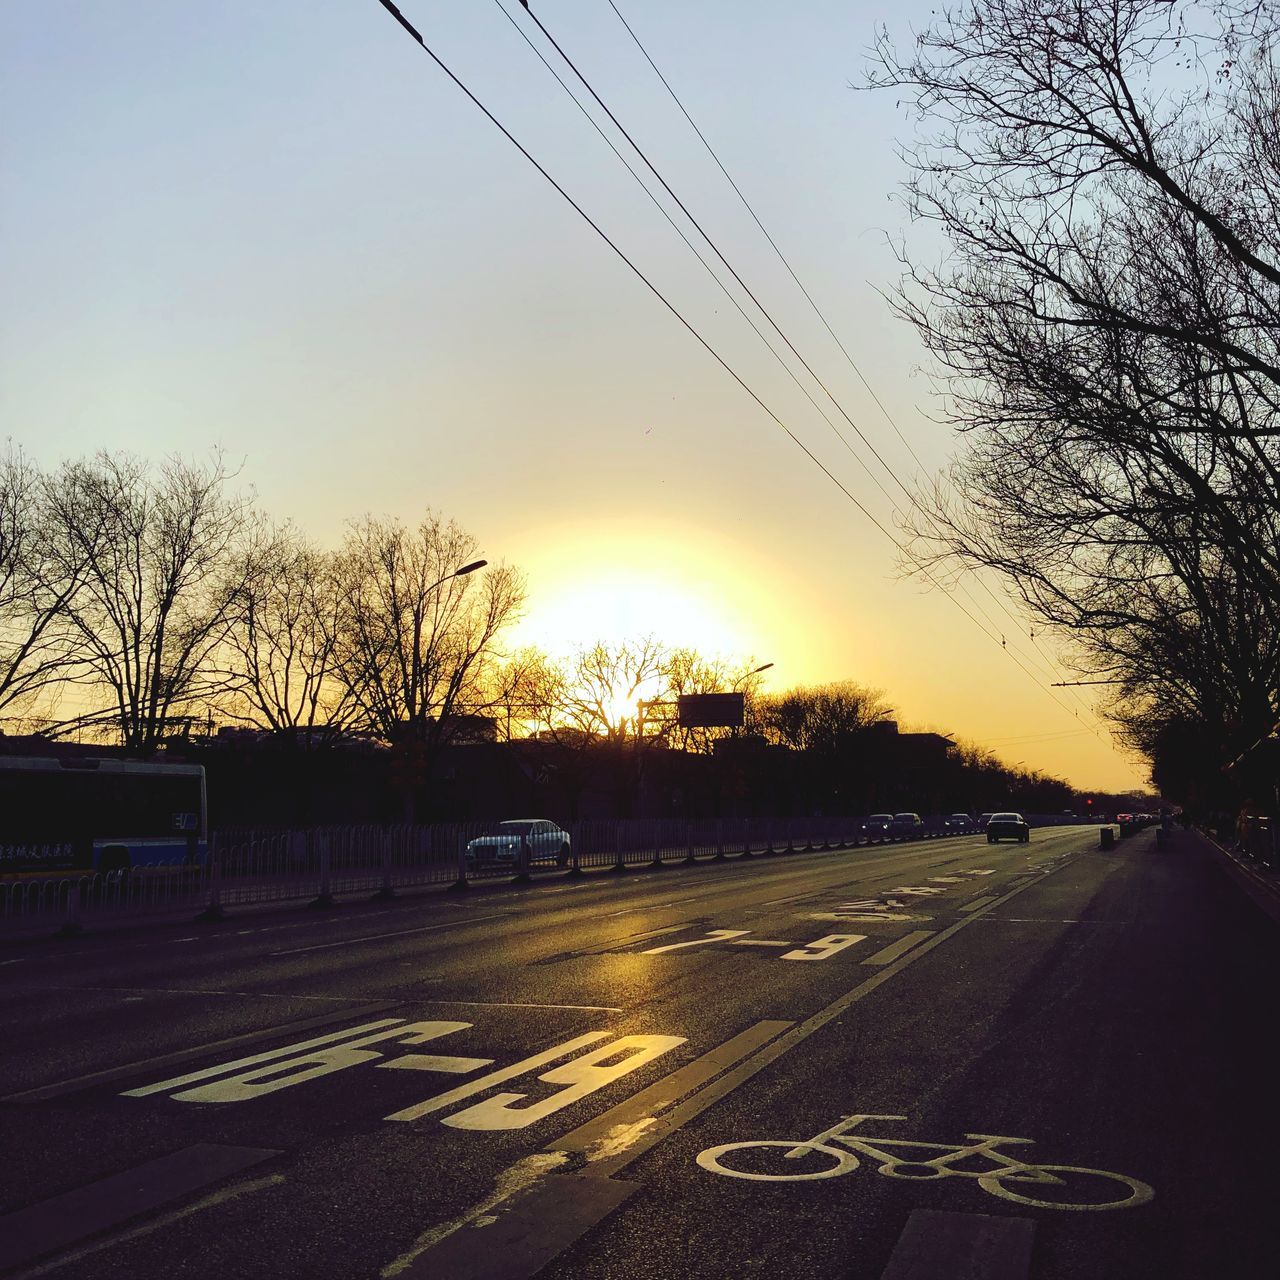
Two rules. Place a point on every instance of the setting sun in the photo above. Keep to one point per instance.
(616, 586)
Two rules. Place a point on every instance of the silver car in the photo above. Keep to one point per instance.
(547, 844)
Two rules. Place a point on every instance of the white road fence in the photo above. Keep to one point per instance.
(323, 864)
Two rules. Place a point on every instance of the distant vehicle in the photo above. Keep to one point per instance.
(983, 819)
(906, 826)
(1008, 826)
(876, 827)
(546, 842)
(959, 823)
(88, 814)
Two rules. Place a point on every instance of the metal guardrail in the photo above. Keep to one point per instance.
(321, 864)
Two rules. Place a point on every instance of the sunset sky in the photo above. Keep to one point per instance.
(279, 229)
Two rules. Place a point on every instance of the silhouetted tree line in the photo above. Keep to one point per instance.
(156, 606)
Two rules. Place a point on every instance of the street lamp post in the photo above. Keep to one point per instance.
(411, 749)
(742, 680)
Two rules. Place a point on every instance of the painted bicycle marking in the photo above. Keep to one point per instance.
(870, 911)
(838, 1148)
(606, 1058)
(895, 905)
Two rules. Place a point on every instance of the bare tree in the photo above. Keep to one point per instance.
(822, 718)
(605, 684)
(153, 547)
(279, 652)
(1107, 328)
(37, 652)
(526, 692)
(414, 640)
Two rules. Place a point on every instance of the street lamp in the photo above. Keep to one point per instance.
(749, 674)
(742, 680)
(458, 573)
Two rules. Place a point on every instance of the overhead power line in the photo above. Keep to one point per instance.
(1051, 667)
(693, 248)
(418, 38)
(893, 475)
(782, 257)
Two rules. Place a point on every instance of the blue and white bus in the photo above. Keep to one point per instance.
(90, 814)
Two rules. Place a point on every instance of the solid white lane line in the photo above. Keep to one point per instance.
(399, 933)
(895, 949)
(978, 903)
(501, 1004)
(659, 906)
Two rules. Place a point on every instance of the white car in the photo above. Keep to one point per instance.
(547, 843)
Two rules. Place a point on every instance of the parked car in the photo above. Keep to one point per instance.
(958, 823)
(876, 827)
(906, 826)
(547, 844)
(983, 819)
(1008, 826)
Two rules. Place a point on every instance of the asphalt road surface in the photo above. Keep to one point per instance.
(920, 1061)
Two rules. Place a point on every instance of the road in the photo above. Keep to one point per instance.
(551, 1080)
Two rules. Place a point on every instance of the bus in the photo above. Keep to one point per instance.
(89, 814)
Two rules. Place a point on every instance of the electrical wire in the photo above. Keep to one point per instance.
(746, 204)
(706, 266)
(413, 32)
(911, 498)
(1051, 667)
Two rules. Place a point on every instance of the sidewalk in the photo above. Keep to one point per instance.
(1261, 885)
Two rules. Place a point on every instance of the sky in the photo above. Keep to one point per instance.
(280, 230)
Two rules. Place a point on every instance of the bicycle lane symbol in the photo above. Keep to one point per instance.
(1042, 1186)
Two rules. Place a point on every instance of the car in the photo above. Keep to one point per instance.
(906, 826)
(546, 843)
(1008, 826)
(983, 819)
(958, 823)
(876, 827)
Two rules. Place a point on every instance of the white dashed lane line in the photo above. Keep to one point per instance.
(398, 933)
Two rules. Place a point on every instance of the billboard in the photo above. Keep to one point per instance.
(709, 710)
